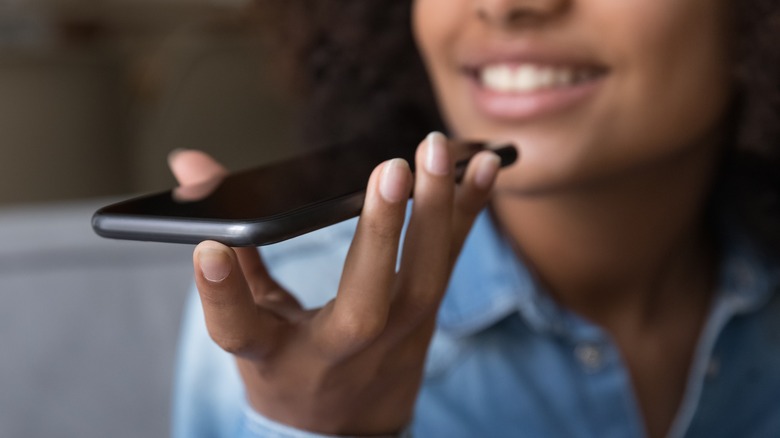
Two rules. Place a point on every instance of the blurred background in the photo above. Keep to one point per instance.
(93, 96)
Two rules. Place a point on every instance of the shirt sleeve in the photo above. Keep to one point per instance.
(256, 425)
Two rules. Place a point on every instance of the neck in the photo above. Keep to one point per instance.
(620, 250)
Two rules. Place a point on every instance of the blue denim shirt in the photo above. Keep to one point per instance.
(508, 361)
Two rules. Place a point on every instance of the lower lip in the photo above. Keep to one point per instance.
(532, 105)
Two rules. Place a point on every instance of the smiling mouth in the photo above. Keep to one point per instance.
(525, 90)
(528, 78)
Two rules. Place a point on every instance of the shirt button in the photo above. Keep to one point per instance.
(590, 356)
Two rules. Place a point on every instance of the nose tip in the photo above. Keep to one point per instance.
(508, 13)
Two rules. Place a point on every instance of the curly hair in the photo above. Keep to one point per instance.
(751, 172)
(355, 66)
(358, 71)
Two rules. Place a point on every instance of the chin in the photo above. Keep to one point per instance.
(534, 176)
(520, 181)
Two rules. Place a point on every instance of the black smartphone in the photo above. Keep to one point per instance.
(271, 203)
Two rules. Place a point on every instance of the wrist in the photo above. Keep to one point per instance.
(258, 425)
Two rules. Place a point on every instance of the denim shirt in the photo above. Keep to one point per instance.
(506, 360)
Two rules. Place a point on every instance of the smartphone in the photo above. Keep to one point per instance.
(270, 203)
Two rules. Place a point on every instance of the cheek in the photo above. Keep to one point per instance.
(673, 71)
(435, 23)
(438, 27)
(669, 89)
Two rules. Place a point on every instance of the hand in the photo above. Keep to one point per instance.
(354, 366)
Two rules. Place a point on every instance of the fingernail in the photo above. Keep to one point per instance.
(437, 160)
(487, 171)
(214, 264)
(392, 185)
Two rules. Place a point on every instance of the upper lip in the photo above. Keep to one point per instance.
(474, 59)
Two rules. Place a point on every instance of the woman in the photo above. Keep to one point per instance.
(620, 281)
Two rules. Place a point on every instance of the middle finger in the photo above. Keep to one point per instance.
(424, 270)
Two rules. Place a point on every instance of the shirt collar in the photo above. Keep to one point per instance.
(490, 282)
(749, 277)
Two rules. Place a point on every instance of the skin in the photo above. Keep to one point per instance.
(607, 203)
(606, 206)
(317, 370)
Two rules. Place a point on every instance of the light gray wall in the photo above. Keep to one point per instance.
(89, 326)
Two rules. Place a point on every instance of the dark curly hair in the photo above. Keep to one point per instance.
(357, 70)
(355, 67)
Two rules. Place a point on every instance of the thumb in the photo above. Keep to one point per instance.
(235, 323)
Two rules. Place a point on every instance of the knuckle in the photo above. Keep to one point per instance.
(418, 304)
(357, 329)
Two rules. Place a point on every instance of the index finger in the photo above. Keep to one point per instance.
(191, 167)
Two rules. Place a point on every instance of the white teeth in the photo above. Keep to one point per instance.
(547, 77)
(499, 77)
(528, 77)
